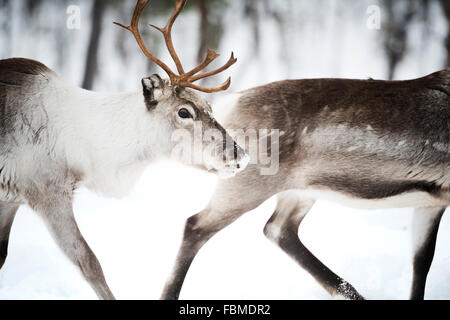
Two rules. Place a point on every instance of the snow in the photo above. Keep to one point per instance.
(136, 238)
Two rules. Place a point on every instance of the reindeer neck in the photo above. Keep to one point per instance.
(109, 137)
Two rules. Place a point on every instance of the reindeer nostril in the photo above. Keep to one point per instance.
(238, 166)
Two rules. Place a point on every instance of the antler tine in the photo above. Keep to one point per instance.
(167, 33)
(222, 87)
(134, 29)
(229, 63)
(211, 55)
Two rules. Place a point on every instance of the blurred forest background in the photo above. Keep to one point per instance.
(272, 40)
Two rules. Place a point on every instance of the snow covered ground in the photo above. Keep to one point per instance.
(136, 238)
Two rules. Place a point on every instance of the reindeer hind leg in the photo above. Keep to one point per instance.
(7, 215)
(424, 233)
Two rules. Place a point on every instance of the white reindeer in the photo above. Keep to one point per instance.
(55, 137)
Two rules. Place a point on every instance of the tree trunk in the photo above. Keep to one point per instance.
(91, 67)
(6, 29)
(396, 32)
(446, 8)
(203, 10)
(251, 11)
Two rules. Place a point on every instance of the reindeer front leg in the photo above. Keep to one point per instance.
(56, 210)
(198, 230)
(227, 205)
(282, 229)
(424, 232)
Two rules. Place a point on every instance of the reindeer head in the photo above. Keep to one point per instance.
(185, 113)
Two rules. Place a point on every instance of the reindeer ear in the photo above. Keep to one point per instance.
(149, 85)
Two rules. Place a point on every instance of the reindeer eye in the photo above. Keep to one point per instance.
(184, 113)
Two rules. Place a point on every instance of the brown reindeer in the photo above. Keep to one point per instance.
(363, 143)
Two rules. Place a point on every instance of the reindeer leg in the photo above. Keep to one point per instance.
(7, 214)
(425, 228)
(282, 228)
(56, 210)
(227, 204)
(198, 230)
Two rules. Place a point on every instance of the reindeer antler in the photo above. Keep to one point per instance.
(184, 79)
